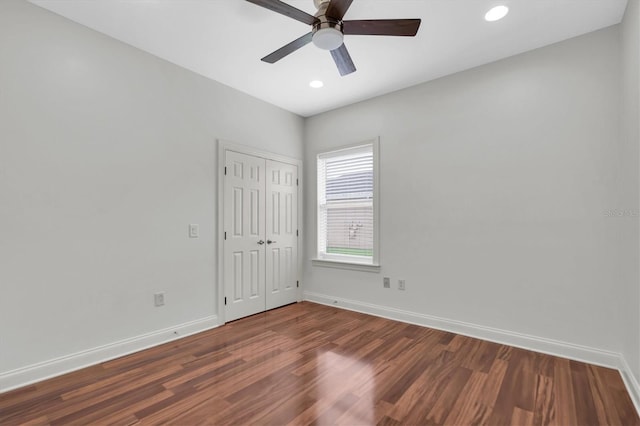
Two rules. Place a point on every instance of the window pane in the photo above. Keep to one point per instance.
(350, 229)
(345, 203)
(349, 177)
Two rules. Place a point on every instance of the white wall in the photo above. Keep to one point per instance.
(495, 183)
(106, 155)
(629, 144)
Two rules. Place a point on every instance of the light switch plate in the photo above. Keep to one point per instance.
(194, 230)
(158, 299)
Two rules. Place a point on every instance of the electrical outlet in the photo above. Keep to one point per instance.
(401, 285)
(194, 230)
(386, 282)
(158, 299)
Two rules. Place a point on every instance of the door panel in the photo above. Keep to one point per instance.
(281, 233)
(244, 265)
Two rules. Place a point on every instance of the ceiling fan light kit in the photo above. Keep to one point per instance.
(328, 29)
(328, 38)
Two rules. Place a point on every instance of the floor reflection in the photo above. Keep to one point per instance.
(345, 390)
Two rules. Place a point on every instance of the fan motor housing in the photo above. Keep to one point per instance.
(327, 23)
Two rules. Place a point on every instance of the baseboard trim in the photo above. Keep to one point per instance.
(66, 364)
(524, 341)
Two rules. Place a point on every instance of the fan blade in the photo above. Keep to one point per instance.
(383, 27)
(287, 49)
(343, 60)
(286, 10)
(338, 8)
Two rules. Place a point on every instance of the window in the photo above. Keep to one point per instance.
(347, 205)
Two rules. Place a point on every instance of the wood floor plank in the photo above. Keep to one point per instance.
(624, 407)
(417, 391)
(127, 413)
(388, 421)
(250, 375)
(492, 386)
(467, 408)
(563, 391)
(168, 413)
(602, 397)
(544, 412)
(517, 388)
(98, 410)
(478, 407)
(39, 421)
(583, 399)
(440, 371)
(522, 417)
(378, 382)
(365, 412)
(480, 354)
(201, 413)
(405, 374)
(442, 408)
(313, 364)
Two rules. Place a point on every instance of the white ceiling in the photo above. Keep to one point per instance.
(225, 39)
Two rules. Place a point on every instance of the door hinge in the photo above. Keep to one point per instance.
(225, 235)
(297, 182)
(297, 283)
(297, 234)
(225, 170)
(225, 301)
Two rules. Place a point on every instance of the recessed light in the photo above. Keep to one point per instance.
(316, 84)
(496, 13)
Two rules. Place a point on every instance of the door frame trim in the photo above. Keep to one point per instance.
(224, 145)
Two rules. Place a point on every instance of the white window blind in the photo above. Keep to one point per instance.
(346, 223)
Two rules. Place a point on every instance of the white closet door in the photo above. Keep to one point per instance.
(244, 244)
(282, 228)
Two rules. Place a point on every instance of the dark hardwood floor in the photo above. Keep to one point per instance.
(308, 363)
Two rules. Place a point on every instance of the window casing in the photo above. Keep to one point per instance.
(347, 205)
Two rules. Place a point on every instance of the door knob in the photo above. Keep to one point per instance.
(261, 242)
(271, 242)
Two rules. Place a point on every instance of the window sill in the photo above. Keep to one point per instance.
(365, 267)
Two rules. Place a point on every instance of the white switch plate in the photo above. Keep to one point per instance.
(401, 285)
(194, 230)
(158, 299)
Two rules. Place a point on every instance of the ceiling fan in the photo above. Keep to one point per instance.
(328, 29)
